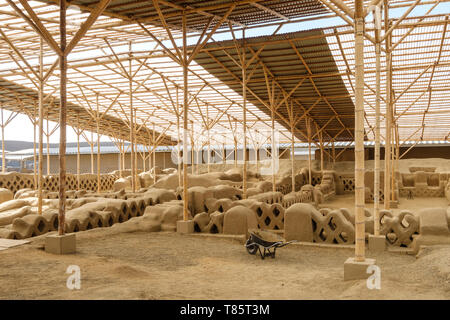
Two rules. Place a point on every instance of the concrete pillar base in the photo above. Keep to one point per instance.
(377, 244)
(184, 227)
(355, 270)
(57, 244)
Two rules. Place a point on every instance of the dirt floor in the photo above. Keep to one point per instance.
(172, 266)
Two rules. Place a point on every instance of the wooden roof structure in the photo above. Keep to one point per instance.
(242, 12)
(141, 40)
(300, 69)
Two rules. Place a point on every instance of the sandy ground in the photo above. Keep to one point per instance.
(173, 266)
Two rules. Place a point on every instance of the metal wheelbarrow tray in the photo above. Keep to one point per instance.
(265, 247)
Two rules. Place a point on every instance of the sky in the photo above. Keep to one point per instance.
(22, 129)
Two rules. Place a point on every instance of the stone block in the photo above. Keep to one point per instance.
(185, 227)
(57, 244)
(356, 270)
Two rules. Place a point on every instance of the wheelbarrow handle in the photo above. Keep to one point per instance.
(286, 243)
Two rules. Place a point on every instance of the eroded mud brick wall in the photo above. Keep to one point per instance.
(15, 181)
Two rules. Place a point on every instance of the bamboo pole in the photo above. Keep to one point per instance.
(397, 146)
(393, 149)
(130, 84)
(272, 151)
(91, 143)
(34, 149)
(154, 153)
(244, 111)
(387, 144)
(150, 151)
(224, 155)
(194, 155)
(62, 121)
(123, 155)
(136, 177)
(308, 128)
(119, 159)
(78, 151)
(192, 159)
(98, 146)
(359, 134)
(321, 151)
(209, 141)
(292, 157)
(48, 146)
(3, 144)
(143, 160)
(334, 154)
(185, 120)
(376, 187)
(180, 177)
(120, 153)
(41, 125)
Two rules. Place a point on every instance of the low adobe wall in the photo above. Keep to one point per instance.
(15, 181)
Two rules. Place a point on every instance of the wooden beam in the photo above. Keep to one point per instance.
(101, 6)
(36, 24)
(62, 120)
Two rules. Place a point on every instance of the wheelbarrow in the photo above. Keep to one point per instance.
(262, 241)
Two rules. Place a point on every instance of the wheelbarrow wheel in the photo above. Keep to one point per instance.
(251, 247)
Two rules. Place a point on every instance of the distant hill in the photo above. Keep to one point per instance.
(15, 145)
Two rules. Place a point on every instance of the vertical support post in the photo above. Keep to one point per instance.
(62, 120)
(209, 141)
(321, 151)
(143, 159)
(185, 121)
(78, 151)
(393, 153)
(48, 146)
(194, 154)
(224, 155)
(3, 144)
(387, 143)
(120, 153)
(34, 149)
(308, 129)
(130, 84)
(272, 150)
(292, 157)
(41, 125)
(123, 155)
(150, 151)
(244, 97)
(180, 178)
(91, 143)
(376, 186)
(334, 154)
(359, 134)
(136, 177)
(98, 145)
(154, 152)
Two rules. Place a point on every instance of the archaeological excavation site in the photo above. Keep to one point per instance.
(225, 150)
